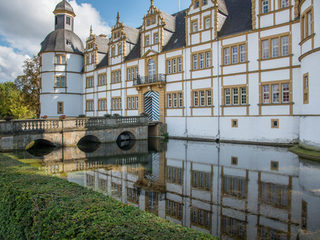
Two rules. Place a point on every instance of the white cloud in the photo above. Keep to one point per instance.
(9, 62)
(25, 23)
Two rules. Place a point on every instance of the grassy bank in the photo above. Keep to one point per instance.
(306, 153)
(36, 206)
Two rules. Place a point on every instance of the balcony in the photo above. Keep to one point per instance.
(151, 79)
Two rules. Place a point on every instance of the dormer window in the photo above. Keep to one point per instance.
(68, 21)
(156, 38)
(196, 4)
(148, 22)
(265, 6)
(147, 41)
(113, 52)
(120, 49)
(205, 2)
(284, 3)
(153, 20)
(194, 26)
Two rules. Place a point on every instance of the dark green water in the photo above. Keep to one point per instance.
(232, 191)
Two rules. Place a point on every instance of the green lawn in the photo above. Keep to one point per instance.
(36, 206)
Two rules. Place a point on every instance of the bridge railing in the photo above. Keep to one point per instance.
(47, 125)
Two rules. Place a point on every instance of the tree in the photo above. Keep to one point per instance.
(12, 102)
(29, 84)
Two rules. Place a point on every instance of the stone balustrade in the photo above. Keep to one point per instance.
(53, 125)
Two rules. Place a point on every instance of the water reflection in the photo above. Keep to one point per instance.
(230, 191)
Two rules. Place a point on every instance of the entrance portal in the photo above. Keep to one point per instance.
(151, 105)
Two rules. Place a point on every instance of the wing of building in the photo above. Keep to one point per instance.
(234, 70)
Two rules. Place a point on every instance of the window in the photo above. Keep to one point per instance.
(174, 175)
(102, 79)
(274, 123)
(274, 194)
(132, 73)
(274, 165)
(151, 69)
(201, 180)
(89, 105)
(174, 209)
(156, 38)
(116, 189)
(235, 96)
(238, 54)
(120, 49)
(234, 161)
(102, 104)
(233, 227)
(60, 108)
(147, 41)
(234, 58)
(270, 233)
(265, 49)
(196, 4)
(116, 76)
(205, 2)
(87, 59)
(68, 21)
(201, 60)
(153, 20)
(60, 82)
(90, 82)
(306, 88)
(275, 47)
(202, 98)
(174, 65)
(207, 22)
(133, 195)
(276, 93)
(113, 52)
(201, 217)
(194, 25)
(116, 103)
(175, 99)
(284, 3)
(265, 6)
(60, 59)
(92, 58)
(235, 186)
(306, 24)
(234, 123)
(132, 103)
(226, 54)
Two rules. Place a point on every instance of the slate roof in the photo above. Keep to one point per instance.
(65, 6)
(135, 52)
(170, 21)
(132, 34)
(239, 18)
(62, 40)
(178, 39)
(102, 43)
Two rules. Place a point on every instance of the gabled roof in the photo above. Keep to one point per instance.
(135, 52)
(132, 34)
(169, 20)
(102, 44)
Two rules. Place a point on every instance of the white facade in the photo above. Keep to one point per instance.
(257, 85)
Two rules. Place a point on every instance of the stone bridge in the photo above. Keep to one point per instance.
(18, 134)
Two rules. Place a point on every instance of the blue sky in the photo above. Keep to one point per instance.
(132, 11)
(24, 24)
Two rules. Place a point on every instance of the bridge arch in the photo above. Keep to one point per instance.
(40, 147)
(89, 143)
(126, 140)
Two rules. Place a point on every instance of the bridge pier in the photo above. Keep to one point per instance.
(16, 135)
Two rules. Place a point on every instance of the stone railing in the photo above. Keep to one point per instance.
(49, 125)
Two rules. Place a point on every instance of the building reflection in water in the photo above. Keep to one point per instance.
(231, 191)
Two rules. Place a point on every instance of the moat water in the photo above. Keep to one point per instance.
(231, 191)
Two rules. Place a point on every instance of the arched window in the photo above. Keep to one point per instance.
(151, 69)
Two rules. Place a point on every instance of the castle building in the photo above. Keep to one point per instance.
(234, 70)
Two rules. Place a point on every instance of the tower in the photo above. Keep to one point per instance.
(61, 57)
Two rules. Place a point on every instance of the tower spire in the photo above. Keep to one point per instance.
(118, 17)
(151, 1)
(90, 29)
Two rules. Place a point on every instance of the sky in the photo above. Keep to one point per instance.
(24, 24)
